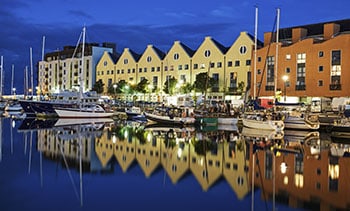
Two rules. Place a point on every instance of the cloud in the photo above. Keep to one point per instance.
(80, 14)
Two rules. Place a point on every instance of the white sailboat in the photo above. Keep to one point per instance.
(265, 120)
(83, 110)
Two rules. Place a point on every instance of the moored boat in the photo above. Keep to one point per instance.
(84, 111)
(263, 121)
(171, 115)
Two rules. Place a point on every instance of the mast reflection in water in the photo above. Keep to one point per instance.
(45, 164)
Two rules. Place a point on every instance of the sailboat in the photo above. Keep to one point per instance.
(263, 120)
(83, 110)
(13, 107)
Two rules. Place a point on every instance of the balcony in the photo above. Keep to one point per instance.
(300, 87)
(335, 87)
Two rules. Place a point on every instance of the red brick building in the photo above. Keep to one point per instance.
(313, 60)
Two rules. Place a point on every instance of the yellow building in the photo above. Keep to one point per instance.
(126, 66)
(178, 63)
(229, 66)
(105, 70)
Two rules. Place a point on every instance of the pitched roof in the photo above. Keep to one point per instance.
(222, 48)
(188, 50)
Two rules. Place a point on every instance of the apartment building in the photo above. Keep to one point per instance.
(308, 61)
(62, 69)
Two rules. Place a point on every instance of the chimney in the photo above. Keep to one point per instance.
(268, 38)
(298, 34)
(330, 29)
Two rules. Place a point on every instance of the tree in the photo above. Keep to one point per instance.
(186, 88)
(98, 86)
(203, 82)
(240, 87)
(142, 86)
(169, 85)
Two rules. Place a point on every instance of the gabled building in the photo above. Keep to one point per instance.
(178, 63)
(238, 64)
(126, 66)
(150, 67)
(105, 70)
(209, 57)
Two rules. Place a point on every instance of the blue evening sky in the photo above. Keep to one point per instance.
(135, 24)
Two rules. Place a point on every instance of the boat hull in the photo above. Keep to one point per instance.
(76, 113)
(168, 120)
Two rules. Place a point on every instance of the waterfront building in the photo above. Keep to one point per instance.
(308, 61)
(61, 70)
(178, 63)
(105, 69)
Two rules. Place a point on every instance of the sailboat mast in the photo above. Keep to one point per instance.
(1, 75)
(277, 41)
(31, 72)
(42, 62)
(12, 79)
(255, 49)
(82, 74)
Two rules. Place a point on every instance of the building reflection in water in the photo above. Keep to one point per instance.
(301, 169)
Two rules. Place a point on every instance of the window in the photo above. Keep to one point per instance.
(229, 63)
(176, 56)
(259, 71)
(320, 83)
(301, 58)
(152, 69)
(320, 68)
(336, 57)
(207, 53)
(195, 66)
(259, 59)
(183, 78)
(320, 54)
(243, 49)
(105, 63)
(219, 64)
(212, 64)
(186, 66)
(126, 61)
(145, 70)
(237, 63)
(287, 70)
(165, 68)
(288, 56)
(247, 62)
(149, 58)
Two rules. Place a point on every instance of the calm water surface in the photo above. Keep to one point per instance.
(127, 166)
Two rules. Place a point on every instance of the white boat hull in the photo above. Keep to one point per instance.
(76, 113)
(276, 125)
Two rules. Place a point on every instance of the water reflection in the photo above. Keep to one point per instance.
(298, 168)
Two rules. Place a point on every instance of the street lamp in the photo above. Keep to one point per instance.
(285, 79)
(115, 92)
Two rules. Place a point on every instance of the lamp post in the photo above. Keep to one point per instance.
(285, 79)
(115, 92)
